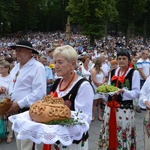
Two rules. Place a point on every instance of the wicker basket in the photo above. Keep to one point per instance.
(5, 106)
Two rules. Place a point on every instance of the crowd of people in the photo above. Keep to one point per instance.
(48, 62)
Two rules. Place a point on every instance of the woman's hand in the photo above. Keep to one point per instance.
(99, 84)
(2, 89)
(120, 91)
(14, 109)
(147, 104)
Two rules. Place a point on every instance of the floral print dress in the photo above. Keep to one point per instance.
(125, 130)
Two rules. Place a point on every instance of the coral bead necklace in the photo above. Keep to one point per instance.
(67, 84)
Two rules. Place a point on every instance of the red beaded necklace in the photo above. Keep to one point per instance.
(67, 84)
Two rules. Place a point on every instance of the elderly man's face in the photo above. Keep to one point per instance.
(44, 61)
(23, 55)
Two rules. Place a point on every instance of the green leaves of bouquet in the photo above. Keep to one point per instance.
(68, 122)
(126, 84)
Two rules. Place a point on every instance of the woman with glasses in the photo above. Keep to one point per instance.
(4, 81)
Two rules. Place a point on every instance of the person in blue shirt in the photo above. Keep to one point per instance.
(49, 73)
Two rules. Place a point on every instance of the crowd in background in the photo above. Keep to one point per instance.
(103, 54)
(105, 48)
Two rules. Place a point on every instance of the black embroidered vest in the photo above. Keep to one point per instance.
(126, 104)
(71, 97)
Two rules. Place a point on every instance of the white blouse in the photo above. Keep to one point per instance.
(145, 93)
(135, 91)
(84, 98)
(4, 81)
(85, 73)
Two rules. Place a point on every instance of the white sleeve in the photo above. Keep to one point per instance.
(84, 99)
(139, 64)
(144, 93)
(135, 91)
(39, 89)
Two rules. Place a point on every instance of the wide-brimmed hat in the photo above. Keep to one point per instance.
(25, 44)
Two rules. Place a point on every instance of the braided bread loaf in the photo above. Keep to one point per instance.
(48, 109)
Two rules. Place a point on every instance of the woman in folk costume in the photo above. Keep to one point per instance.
(144, 102)
(76, 91)
(118, 129)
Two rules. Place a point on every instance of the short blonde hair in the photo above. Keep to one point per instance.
(66, 51)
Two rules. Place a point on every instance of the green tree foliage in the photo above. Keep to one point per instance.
(52, 14)
(91, 16)
(35, 15)
(129, 12)
(27, 17)
(8, 14)
(94, 17)
(144, 20)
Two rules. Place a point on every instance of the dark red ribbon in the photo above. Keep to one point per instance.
(54, 94)
(120, 79)
(113, 124)
(46, 147)
(113, 104)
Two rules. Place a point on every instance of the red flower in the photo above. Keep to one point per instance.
(119, 128)
(124, 135)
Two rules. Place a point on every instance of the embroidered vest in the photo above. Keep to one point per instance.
(126, 104)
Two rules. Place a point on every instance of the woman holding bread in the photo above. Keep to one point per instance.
(73, 89)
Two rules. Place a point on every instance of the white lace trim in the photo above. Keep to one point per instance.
(48, 134)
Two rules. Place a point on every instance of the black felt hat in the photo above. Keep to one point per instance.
(25, 44)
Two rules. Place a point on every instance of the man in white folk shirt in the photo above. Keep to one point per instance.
(49, 74)
(27, 86)
(144, 103)
(143, 66)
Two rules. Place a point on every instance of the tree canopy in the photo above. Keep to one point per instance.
(91, 16)
(94, 18)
